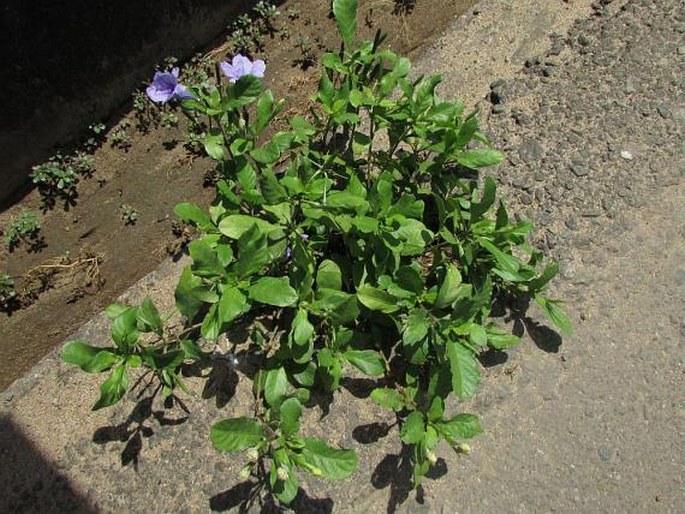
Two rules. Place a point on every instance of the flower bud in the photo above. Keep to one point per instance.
(252, 454)
(431, 457)
(282, 474)
(245, 472)
(463, 448)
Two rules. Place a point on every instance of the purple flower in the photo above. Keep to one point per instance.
(241, 66)
(165, 87)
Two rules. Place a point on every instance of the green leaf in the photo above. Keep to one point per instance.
(205, 259)
(338, 306)
(214, 144)
(507, 262)
(415, 327)
(273, 191)
(235, 225)
(480, 158)
(461, 426)
(284, 490)
(191, 213)
(376, 299)
(413, 428)
(466, 131)
(253, 252)
(368, 362)
(501, 340)
(149, 317)
(244, 91)
(114, 388)
(388, 398)
(273, 291)
(191, 295)
(90, 359)
(232, 435)
(345, 13)
(329, 275)
(125, 328)
(211, 324)
(477, 335)
(556, 315)
(538, 284)
(231, 305)
(448, 291)
(265, 110)
(301, 334)
(436, 409)
(334, 464)
(275, 386)
(486, 201)
(464, 368)
(291, 410)
(113, 310)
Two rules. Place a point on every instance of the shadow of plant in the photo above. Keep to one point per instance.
(254, 494)
(137, 426)
(395, 471)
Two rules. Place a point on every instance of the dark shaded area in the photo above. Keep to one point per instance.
(492, 357)
(68, 64)
(360, 387)
(137, 426)
(246, 495)
(395, 471)
(28, 482)
(545, 338)
(371, 432)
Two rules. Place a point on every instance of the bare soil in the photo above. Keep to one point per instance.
(91, 255)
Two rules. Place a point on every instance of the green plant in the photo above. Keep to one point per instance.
(128, 214)
(247, 32)
(96, 137)
(56, 179)
(24, 228)
(169, 120)
(358, 240)
(8, 294)
(120, 137)
(307, 55)
(82, 163)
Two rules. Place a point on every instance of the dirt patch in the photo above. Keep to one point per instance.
(150, 172)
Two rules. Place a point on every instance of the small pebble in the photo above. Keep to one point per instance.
(625, 154)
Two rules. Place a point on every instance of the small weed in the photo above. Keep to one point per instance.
(194, 140)
(128, 214)
(82, 163)
(266, 13)
(25, 228)
(144, 112)
(307, 54)
(97, 136)
(199, 70)
(55, 179)
(169, 120)
(8, 294)
(248, 30)
(120, 138)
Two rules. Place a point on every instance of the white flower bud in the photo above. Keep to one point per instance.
(282, 473)
(245, 472)
(463, 448)
(431, 457)
(252, 454)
